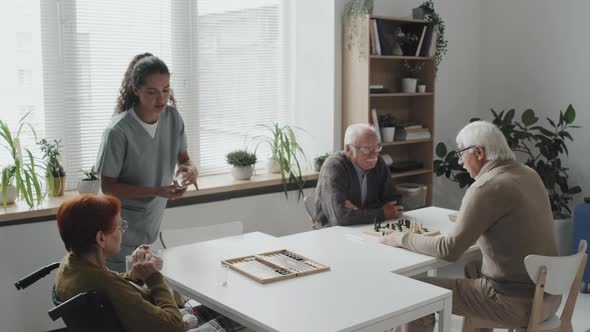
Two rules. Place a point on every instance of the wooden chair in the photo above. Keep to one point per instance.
(552, 275)
(308, 201)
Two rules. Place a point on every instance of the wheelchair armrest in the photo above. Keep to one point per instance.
(87, 312)
(33, 277)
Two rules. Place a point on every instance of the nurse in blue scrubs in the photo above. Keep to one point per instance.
(140, 149)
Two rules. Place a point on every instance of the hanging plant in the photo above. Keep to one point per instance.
(439, 28)
(353, 20)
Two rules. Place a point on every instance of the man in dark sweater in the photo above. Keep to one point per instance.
(355, 185)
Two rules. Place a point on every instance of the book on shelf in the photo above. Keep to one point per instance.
(421, 40)
(374, 37)
(385, 46)
(379, 90)
(408, 134)
(375, 121)
(425, 51)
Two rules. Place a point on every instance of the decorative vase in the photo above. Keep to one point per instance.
(387, 134)
(10, 194)
(273, 166)
(59, 184)
(242, 172)
(409, 85)
(86, 186)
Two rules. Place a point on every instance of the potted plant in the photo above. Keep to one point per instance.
(90, 184)
(23, 171)
(319, 161)
(242, 162)
(56, 176)
(8, 188)
(410, 73)
(286, 155)
(439, 31)
(542, 148)
(387, 124)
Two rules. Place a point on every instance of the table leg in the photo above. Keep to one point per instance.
(445, 316)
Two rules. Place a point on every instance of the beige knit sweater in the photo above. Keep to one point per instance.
(507, 211)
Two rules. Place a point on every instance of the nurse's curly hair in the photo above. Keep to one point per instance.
(142, 66)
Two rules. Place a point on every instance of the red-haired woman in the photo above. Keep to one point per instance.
(91, 229)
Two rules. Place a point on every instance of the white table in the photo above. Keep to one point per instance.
(358, 293)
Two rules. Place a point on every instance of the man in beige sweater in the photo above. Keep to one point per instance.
(507, 212)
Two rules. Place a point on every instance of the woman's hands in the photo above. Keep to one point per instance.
(144, 263)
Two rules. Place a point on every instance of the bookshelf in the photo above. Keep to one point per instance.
(361, 68)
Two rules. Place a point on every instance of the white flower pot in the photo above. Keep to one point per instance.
(89, 186)
(409, 85)
(387, 134)
(421, 88)
(242, 172)
(10, 194)
(273, 166)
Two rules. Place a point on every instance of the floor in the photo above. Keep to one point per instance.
(580, 319)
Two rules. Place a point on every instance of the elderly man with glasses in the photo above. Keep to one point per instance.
(355, 185)
(506, 211)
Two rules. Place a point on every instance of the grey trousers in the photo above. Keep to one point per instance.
(475, 298)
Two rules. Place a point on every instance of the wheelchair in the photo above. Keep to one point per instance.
(89, 311)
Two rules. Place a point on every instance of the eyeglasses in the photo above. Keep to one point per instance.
(460, 152)
(124, 225)
(367, 150)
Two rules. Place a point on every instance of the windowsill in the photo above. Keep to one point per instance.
(211, 188)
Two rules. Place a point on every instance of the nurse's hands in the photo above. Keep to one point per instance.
(189, 174)
(170, 192)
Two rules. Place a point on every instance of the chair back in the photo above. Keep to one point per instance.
(87, 312)
(561, 271)
(180, 236)
(309, 201)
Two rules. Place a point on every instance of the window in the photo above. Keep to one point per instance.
(229, 62)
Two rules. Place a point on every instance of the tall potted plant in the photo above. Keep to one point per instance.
(286, 155)
(542, 148)
(22, 173)
(56, 176)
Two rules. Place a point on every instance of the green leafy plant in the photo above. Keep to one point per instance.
(439, 27)
(412, 69)
(23, 171)
(240, 158)
(287, 152)
(541, 146)
(388, 120)
(91, 175)
(54, 169)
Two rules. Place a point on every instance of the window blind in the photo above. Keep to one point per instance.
(229, 62)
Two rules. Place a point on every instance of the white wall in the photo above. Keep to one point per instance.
(25, 248)
(457, 80)
(314, 72)
(534, 55)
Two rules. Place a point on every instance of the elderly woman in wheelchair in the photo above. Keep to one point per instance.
(91, 229)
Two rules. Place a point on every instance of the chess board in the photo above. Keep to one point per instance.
(274, 266)
(404, 224)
